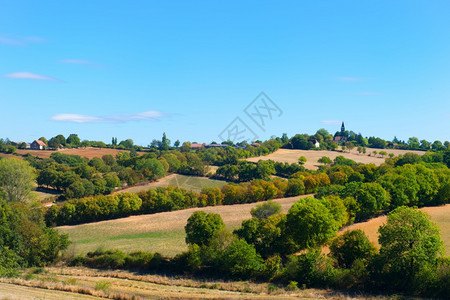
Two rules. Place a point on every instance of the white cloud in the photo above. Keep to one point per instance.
(151, 115)
(350, 79)
(29, 75)
(74, 118)
(331, 122)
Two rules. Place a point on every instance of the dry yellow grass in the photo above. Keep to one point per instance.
(127, 285)
(192, 183)
(89, 152)
(312, 156)
(439, 214)
(15, 291)
(161, 232)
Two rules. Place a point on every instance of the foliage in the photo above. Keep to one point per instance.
(265, 210)
(24, 238)
(201, 227)
(310, 223)
(16, 179)
(410, 247)
(350, 247)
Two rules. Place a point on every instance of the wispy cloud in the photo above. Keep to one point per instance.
(20, 40)
(349, 79)
(76, 61)
(331, 122)
(8, 41)
(83, 62)
(151, 115)
(29, 75)
(368, 93)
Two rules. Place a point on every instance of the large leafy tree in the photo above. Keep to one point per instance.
(310, 223)
(410, 247)
(201, 227)
(17, 179)
(351, 246)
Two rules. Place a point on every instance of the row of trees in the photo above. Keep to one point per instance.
(367, 190)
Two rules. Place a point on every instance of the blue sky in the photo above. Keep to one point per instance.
(136, 69)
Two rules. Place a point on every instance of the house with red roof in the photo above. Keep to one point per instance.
(38, 145)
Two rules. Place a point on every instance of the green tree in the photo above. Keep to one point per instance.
(325, 160)
(42, 138)
(310, 223)
(301, 160)
(265, 210)
(372, 198)
(351, 246)
(17, 179)
(73, 140)
(240, 260)
(410, 247)
(201, 227)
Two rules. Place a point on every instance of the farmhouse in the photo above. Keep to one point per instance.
(316, 143)
(37, 145)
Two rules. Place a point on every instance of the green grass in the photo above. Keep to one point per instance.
(161, 232)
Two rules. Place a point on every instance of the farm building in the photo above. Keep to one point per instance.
(316, 143)
(38, 145)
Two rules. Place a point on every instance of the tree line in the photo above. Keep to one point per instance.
(367, 191)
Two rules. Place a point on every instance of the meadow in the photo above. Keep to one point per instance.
(161, 232)
(192, 183)
(312, 156)
(164, 232)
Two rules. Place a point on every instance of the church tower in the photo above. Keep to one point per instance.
(342, 127)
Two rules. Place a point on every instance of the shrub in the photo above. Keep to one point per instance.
(102, 285)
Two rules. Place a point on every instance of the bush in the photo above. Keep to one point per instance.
(240, 260)
(103, 285)
(265, 210)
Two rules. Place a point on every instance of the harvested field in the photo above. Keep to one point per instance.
(88, 152)
(52, 282)
(312, 156)
(192, 183)
(161, 232)
(439, 214)
(14, 291)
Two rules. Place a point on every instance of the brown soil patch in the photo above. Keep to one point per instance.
(89, 152)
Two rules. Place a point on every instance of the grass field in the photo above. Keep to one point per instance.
(291, 156)
(80, 283)
(192, 183)
(164, 232)
(161, 232)
(89, 152)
